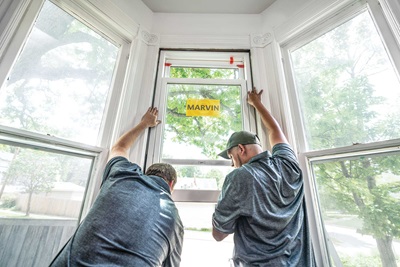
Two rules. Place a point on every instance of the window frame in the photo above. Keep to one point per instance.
(182, 58)
(31, 140)
(328, 251)
(324, 250)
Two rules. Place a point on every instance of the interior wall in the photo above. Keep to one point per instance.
(205, 24)
(280, 12)
(138, 12)
(227, 24)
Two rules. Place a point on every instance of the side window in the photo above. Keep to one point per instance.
(202, 100)
(52, 103)
(348, 93)
(346, 81)
(61, 79)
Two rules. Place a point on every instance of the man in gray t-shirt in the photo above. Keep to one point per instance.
(262, 200)
(134, 221)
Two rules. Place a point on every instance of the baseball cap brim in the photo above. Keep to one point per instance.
(237, 138)
(224, 154)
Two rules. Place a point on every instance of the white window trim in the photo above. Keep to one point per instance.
(391, 9)
(16, 34)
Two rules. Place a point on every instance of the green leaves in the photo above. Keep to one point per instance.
(207, 133)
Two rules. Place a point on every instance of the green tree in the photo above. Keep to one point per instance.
(44, 72)
(203, 132)
(340, 108)
(188, 171)
(41, 80)
(36, 171)
(217, 175)
(6, 178)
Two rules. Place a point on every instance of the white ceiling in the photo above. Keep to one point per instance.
(209, 6)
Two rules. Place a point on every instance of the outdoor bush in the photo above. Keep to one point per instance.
(8, 202)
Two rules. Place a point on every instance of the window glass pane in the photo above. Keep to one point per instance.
(40, 184)
(40, 202)
(200, 177)
(359, 199)
(196, 218)
(348, 89)
(200, 137)
(60, 83)
(203, 73)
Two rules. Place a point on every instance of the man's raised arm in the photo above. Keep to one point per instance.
(275, 133)
(124, 143)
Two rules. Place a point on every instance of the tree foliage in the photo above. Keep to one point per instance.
(36, 171)
(341, 107)
(63, 62)
(59, 87)
(208, 133)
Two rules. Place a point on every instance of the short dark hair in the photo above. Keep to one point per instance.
(163, 170)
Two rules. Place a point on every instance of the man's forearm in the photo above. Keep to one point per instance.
(218, 236)
(275, 133)
(268, 120)
(125, 142)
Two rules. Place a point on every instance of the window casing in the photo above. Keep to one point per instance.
(191, 142)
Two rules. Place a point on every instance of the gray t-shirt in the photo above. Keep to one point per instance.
(262, 203)
(133, 222)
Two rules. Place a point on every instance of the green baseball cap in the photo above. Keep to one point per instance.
(240, 138)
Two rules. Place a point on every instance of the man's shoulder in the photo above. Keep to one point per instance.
(118, 165)
(116, 160)
(239, 176)
(282, 146)
(122, 162)
(239, 172)
(284, 150)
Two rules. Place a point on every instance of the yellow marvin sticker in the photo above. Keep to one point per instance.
(202, 107)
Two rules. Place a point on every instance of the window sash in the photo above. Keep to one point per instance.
(155, 142)
(29, 140)
(163, 102)
(18, 137)
(307, 160)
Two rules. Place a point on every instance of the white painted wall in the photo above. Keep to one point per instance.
(205, 24)
(281, 11)
(138, 12)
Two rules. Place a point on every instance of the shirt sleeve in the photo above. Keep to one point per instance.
(174, 259)
(234, 201)
(117, 165)
(285, 151)
(288, 163)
